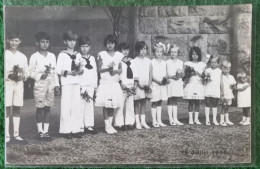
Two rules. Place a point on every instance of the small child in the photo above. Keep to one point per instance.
(244, 97)
(158, 86)
(227, 85)
(175, 87)
(194, 90)
(144, 71)
(212, 78)
(88, 84)
(125, 116)
(109, 92)
(69, 69)
(42, 70)
(16, 68)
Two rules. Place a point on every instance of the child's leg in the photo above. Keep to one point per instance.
(169, 106)
(214, 103)
(39, 120)
(142, 107)
(159, 113)
(7, 133)
(108, 118)
(129, 111)
(16, 121)
(224, 108)
(174, 108)
(246, 113)
(190, 109)
(47, 113)
(207, 109)
(197, 110)
(244, 117)
(153, 112)
(119, 114)
(137, 114)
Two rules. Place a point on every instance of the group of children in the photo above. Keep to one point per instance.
(124, 86)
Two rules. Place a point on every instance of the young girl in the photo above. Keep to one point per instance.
(42, 70)
(69, 71)
(226, 86)
(212, 77)
(175, 87)
(194, 90)
(158, 86)
(244, 97)
(88, 84)
(125, 116)
(109, 93)
(144, 71)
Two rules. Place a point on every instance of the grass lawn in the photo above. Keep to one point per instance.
(188, 144)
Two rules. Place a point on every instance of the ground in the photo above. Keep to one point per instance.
(188, 144)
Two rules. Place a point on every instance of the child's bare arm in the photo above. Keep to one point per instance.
(240, 89)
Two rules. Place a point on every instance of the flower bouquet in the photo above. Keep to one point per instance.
(48, 69)
(164, 81)
(17, 72)
(205, 78)
(189, 71)
(86, 96)
(131, 91)
(147, 89)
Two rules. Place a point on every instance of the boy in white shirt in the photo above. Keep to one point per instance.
(16, 67)
(42, 70)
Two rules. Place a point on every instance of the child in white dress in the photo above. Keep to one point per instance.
(194, 90)
(88, 84)
(68, 67)
(158, 86)
(212, 76)
(144, 70)
(125, 116)
(42, 70)
(109, 92)
(244, 97)
(227, 84)
(175, 87)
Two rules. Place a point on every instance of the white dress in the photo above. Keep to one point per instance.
(212, 88)
(195, 89)
(143, 69)
(159, 92)
(228, 82)
(109, 92)
(175, 87)
(244, 97)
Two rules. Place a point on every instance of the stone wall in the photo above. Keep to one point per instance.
(205, 26)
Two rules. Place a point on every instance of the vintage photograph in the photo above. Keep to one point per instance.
(128, 85)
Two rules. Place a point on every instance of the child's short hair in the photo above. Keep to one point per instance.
(111, 38)
(41, 35)
(241, 75)
(123, 46)
(13, 35)
(226, 64)
(198, 52)
(139, 46)
(69, 35)
(212, 57)
(173, 47)
(157, 46)
(84, 40)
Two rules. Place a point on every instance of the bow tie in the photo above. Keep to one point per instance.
(129, 72)
(88, 65)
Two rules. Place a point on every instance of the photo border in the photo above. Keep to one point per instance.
(255, 137)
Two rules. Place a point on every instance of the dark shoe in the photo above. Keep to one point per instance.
(119, 128)
(47, 137)
(19, 140)
(77, 135)
(124, 128)
(40, 136)
(67, 136)
(130, 127)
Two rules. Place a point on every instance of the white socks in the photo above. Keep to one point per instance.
(153, 112)
(16, 121)
(175, 118)
(207, 115)
(222, 120)
(170, 115)
(215, 112)
(137, 122)
(143, 123)
(196, 120)
(243, 120)
(108, 127)
(46, 128)
(227, 119)
(247, 121)
(159, 116)
(7, 134)
(191, 118)
(39, 126)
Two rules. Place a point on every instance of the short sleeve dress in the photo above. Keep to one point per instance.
(212, 88)
(244, 97)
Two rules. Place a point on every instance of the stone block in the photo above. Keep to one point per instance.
(183, 25)
(153, 25)
(147, 11)
(219, 44)
(214, 24)
(169, 11)
(211, 10)
(179, 40)
(199, 40)
(247, 8)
